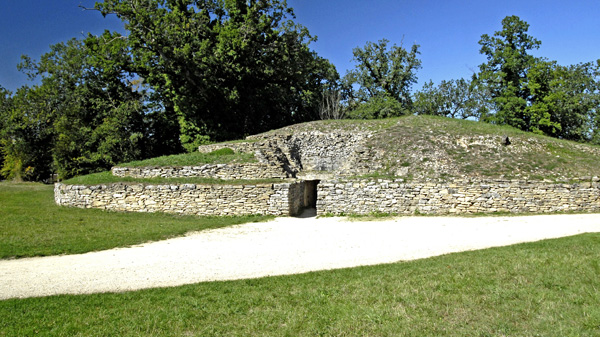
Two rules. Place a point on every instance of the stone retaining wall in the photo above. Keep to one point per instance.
(248, 171)
(343, 152)
(338, 197)
(240, 147)
(457, 197)
(263, 199)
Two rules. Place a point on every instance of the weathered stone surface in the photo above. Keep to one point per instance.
(458, 197)
(264, 199)
(218, 171)
(312, 152)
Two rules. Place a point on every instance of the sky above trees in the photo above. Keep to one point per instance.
(447, 31)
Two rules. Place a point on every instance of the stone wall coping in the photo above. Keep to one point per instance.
(284, 182)
(462, 180)
(203, 165)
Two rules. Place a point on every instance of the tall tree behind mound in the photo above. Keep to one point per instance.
(379, 86)
(534, 94)
(227, 68)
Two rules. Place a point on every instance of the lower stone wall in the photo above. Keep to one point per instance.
(263, 199)
(247, 171)
(337, 197)
(457, 197)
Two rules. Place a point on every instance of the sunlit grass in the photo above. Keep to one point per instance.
(222, 156)
(31, 224)
(548, 288)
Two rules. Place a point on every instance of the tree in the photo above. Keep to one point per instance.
(505, 72)
(564, 100)
(27, 136)
(454, 99)
(226, 68)
(97, 118)
(535, 94)
(382, 79)
(331, 105)
(5, 107)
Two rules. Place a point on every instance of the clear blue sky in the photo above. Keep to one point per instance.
(446, 30)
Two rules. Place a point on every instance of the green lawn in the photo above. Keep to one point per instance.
(32, 224)
(222, 156)
(548, 288)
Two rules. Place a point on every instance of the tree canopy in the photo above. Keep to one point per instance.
(454, 98)
(535, 94)
(186, 72)
(380, 84)
(217, 61)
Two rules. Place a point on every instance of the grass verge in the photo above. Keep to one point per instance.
(547, 288)
(222, 156)
(33, 225)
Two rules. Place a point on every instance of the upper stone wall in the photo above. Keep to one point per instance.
(330, 152)
(339, 152)
(247, 171)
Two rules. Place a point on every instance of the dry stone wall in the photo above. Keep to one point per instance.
(343, 152)
(240, 147)
(246, 171)
(457, 197)
(318, 151)
(193, 199)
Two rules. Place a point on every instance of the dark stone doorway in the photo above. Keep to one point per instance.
(309, 199)
(310, 193)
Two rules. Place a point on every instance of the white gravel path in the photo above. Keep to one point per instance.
(283, 246)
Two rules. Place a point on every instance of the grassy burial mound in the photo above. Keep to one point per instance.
(404, 165)
(412, 147)
(429, 147)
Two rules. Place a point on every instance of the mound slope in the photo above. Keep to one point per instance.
(427, 147)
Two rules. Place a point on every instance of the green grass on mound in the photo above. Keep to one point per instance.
(547, 288)
(31, 224)
(432, 147)
(222, 156)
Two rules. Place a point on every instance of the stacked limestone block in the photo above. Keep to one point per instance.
(456, 197)
(192, 199)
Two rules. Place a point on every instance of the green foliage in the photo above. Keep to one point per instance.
(92, 111)
(5, 108)
(534, 94)
(572, 97)
(225, 68)
(378, 107)
(505, 73)
(27, 136)
(455, 99)
(382, 78)
(107, 126)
